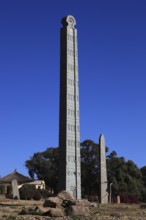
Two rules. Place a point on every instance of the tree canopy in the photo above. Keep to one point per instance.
(44, 166)
(125, 176)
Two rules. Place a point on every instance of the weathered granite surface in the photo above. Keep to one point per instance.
(103, 171)
(69, 126)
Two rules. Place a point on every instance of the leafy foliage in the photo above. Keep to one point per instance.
(2, 188)
(28, 192)
(127, 178)
(44, 166)
(143, 171)
(89, 167)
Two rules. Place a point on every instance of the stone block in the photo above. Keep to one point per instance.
(79, 211)
(52, 202)
(54, 212)
(64, 195)
(82, 202)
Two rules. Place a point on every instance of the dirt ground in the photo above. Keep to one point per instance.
(9, 209)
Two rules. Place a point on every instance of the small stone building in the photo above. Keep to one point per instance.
(6, 181)
(39, 184)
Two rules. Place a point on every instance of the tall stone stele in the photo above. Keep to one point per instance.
(69, 127)
(103, 171)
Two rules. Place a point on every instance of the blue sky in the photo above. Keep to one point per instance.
(112, 74)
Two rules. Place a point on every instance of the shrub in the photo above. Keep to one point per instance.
(37, 195)
(129, 199)
(2, 188)
(9, 196)
(44, 193)
(124, 199)
(27, 192)
(133, 199)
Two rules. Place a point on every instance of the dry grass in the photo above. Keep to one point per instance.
(123, 209)
(9, 207)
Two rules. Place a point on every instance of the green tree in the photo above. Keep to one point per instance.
(116, 170)
(143, 171)
(44, 165)
(89, 167)
(135, 183)
(126, 177)
(2, 187)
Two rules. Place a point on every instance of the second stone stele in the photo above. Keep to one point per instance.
(103, 171)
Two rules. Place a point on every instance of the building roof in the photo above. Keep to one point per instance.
(37, 182)
(15, 176)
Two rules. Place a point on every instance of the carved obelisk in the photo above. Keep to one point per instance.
(103, 171)
(69, 127)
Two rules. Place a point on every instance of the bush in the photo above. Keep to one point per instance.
(9, 196)
(133, 199)
(2, 188)
(44, 193)
(28, 192)
(124, 199)
(37, 195)
(129, 199)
